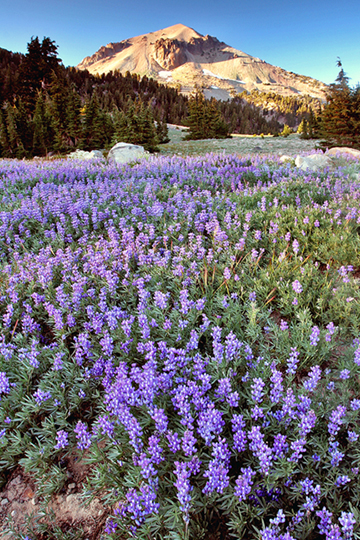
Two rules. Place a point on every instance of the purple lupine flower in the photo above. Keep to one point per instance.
(325, 520)
(188, 443)
(252, 296)
(336, 455)
(174, 441)
(314, 377)
(257, 389)
(107, 344)
(262, 451)
(58, 361)
(331, 330)
(161, 299)
(244, 483)
(276, 384)
(344, 374)
(217, 474)
(280, 446)
(106, 426)
(298, 450)
(269, 533)
(62, 439)
(240, 437)
(210, 423)
(307, 423)
(4, 383)
(295, 246)
(357, 356)
(257, 412)
(82, 435)
(347, 522)
(147, 469)
(315, 335)
(183, 487)
(227, 273)
(335, 420)
(160, 418)
(352, 436)
(41, 395)
(355, 404)
(292, 361)
(342, 480)
(155, 450)
(297, 287)
(283, 325)
(279, 518)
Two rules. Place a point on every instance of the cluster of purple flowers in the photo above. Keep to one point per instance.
(185, 396)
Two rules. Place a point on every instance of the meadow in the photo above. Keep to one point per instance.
(189, 328)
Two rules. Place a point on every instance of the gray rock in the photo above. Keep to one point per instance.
(314, 162)
(125, 153)
(4, 502)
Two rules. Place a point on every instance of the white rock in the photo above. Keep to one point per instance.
(285, 158)
(313, 162)
(344, 150)
(84, 155)
(125, 153)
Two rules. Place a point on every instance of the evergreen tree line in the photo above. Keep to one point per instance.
(45, 107)
(290, 109)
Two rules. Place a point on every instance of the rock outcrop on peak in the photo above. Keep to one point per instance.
(180, 56)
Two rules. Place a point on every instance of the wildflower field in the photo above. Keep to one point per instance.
(190, 327)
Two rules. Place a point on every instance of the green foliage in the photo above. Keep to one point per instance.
(136, 126)
(340, 118)
(204, 119)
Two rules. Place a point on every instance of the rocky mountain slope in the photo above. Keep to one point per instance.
(180, 56)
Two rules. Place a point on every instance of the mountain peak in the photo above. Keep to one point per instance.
(179, 32)
(180, 56)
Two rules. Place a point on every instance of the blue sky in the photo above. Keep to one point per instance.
(304, 37)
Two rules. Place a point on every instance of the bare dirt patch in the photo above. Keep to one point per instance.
(22, 508)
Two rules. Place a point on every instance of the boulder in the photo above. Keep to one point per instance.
(313, 162)
(285, 158)
(84, 155)
(344, 151)
(125, 153)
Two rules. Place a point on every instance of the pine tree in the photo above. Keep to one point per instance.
(196, 117)
(39, 146)
(93, 135)
(15, 145)
(305, 129)
(136, 126)
(204, 119)
(36, 69)
(73, 118)
(4, 137)
(340, 118)
(162, 132)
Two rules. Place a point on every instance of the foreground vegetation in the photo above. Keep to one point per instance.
(190, 326)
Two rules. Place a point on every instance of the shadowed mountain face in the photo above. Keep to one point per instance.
(180, 56)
